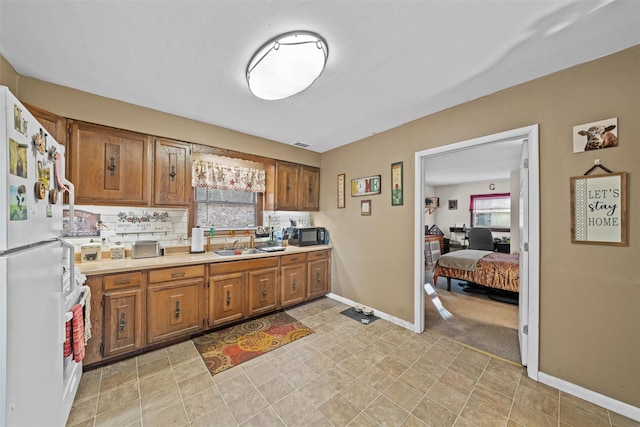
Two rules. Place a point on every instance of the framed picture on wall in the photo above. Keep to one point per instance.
(396, 184)
(595, 135)
(365, 207)
(599, 209)
(341, 190)
(453, 204)
(365, 186)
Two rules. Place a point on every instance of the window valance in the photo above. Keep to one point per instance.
(227, 177)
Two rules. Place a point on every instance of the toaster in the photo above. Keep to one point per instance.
(145, 249)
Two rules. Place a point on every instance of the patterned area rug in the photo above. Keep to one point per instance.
(229, 347)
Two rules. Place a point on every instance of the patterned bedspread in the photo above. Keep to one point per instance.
(495, 270)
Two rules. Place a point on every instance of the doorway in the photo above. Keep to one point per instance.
(528, 235)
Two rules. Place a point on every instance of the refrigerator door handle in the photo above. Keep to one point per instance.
(72, 192)
(68, 246)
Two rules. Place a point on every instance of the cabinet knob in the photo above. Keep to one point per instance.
(264, 291)
(228, 298)
(294, 285)
(318, 277)
(112, 166)
(177, 310)
(172, 174)
(123, 322)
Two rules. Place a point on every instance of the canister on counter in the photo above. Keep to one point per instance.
(117, 251)
(90, 252)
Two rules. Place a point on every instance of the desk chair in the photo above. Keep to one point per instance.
(480, 238)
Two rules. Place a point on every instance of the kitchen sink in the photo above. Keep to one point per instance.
(236, 252)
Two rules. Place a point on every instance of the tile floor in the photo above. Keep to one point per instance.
(346, 373)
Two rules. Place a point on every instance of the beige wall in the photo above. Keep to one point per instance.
(8, 76)
(589, 294)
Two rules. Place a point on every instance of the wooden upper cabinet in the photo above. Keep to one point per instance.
(309, 191)
(297, 187)
(55, 125)
(286, 186)
(110, 166)
(172, 173)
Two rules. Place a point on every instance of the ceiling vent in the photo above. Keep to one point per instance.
(301, 144)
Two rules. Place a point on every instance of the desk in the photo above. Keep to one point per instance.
(504, 247)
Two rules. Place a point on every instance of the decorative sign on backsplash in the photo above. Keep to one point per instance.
(154, 223)
(143, 227)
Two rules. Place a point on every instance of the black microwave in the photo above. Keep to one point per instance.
(307, 236)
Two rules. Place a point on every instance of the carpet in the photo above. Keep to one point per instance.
(232, 346)
(473, 320)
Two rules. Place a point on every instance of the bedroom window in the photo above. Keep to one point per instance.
(492, 211)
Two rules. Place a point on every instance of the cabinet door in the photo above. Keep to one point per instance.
(226, 293)
(110, 166)
(172, 173)
(122, 322)
(318, 279)
(309, 191)
(286, 187)
(263, 290)
(173, 309)
(55, 125)
(293, 284)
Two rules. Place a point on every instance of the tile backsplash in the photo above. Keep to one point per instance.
(176, 234)
(173, 222)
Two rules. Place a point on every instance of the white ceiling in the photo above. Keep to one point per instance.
(389, 62)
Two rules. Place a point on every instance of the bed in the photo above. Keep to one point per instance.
(486, 268)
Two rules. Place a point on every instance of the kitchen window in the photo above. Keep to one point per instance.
(491, 211)
(227, 195)
(225, 208)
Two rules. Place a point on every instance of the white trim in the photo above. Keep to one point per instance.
(531, 133)
(378, 313)
(621, 408)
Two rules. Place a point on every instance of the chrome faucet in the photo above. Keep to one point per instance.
(234, 244)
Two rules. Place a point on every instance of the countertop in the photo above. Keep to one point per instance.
(108, 266)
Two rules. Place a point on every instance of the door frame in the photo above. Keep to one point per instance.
(531, 134)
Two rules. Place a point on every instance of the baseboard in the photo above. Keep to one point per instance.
(621, 408)
(380, 314)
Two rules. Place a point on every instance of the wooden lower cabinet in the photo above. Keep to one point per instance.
(263, 290)
(238, 289)
(123, 315)
(174, 302)
(293, 279)
(318, 268)
(226, 298)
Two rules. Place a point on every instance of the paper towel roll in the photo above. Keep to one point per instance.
(197, 240)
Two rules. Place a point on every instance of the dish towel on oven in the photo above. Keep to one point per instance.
(67, 350)
(77, 331)
(86, 298)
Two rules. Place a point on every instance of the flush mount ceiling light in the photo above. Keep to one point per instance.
(286, 65)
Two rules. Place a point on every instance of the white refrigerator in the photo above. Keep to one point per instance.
(37, 278)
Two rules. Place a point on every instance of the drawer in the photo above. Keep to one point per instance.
(175, 273)
(311, 256)
(236, 266)
(121, 281)
(293, 259)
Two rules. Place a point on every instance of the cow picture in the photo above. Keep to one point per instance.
(595, 136)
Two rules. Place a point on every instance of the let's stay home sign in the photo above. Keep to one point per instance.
(599, 209)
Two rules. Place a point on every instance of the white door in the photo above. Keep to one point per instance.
(523, 297)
